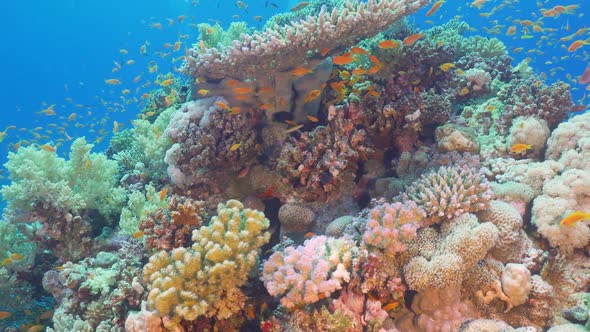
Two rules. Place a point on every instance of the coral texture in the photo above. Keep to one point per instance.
(310, 272)
(205, 279)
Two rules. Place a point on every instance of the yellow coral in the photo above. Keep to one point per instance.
(205, 279)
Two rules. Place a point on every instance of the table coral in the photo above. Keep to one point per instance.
(205, 279)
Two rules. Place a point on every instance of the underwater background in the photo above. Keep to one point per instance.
(81, 222)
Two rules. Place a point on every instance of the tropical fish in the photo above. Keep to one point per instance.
(446, 66)
(112, 81)
(312, 118)
(300, 71)
(389, 44)
(577, 44)
(36, 328)
(167, 82)
(519, 148)
(203, 92)
(294, 128)
(358, 50)
(342, 59)
(435, 7)
(410, 40)
(234, 147)
(314, 94)
(241, 91)
(391, 306)
(137, 234)
(4, 314)
(300, 6)
(222, 105)
(163, 193)
(15, 257)
(464, 91)
(47, 147)
(574, 217)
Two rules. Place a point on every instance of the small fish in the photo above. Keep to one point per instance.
(300, 6)
(314, 94)
(391, 306)
(15, 257)
(309, 235)
(243, 172)
(46, 315)
(519, 148)
(130, 62)
(115, 127)
(389, 44)
(300, 71)
(410, 40)
(87, 163)
(235, 147)
(137, 235)
(163, 194)
(47, 147)
(112, 81)
(574, 217)
(373, 93)
(176, 46)
(36, 328)
(342, 59)
(167, 82)
(242, 91)
(446, 66)
(464, 91)
(435, 7)
(222, 105)
(358, 50)
(312, 118)
(203, 92)
(576, 45)
(235, 111)
(324, 51)
(294, 128)
(4, 314)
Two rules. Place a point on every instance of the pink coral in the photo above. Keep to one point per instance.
(390, 226)
(309, 272)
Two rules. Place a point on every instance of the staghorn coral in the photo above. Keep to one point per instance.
(449, 192)
(205, 279)
(391, 226)
(310, 272)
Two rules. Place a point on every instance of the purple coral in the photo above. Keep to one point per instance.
(450, 192)
(391, 226)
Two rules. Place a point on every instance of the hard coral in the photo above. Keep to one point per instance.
(309, 272)
(450, 192)
(205, 279)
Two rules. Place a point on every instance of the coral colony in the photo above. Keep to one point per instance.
(335, 171)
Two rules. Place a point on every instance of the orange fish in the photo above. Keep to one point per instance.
(574, 217)
(391, 306)
(324, 51)
(112, 81)
(314, 94)
(446, 66)
(374, 60)
(342, 59)
(47, 147)
(358, 50)
(243, 172)
(359, 71)
(410, 40)
(511, 30)
(163, 193)
(137, 234)
(176, 46)
(235, 111)
(434, 7)
(389, 44)
(36, 328)
(309, 235)
(519, 148)
(241, 91)
(203, 92)
(577, 44)
(312, 118)
(4, 314)
(374, 69)
(222, 105)
(300, 71)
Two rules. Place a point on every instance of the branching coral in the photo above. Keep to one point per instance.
(391, 226)
(309, 272)
(449, 192)
(205, 279)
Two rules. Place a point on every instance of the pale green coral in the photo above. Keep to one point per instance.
(145, 147)
(204, 280)
(137, 207)
(86, 181)
(215, 36)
